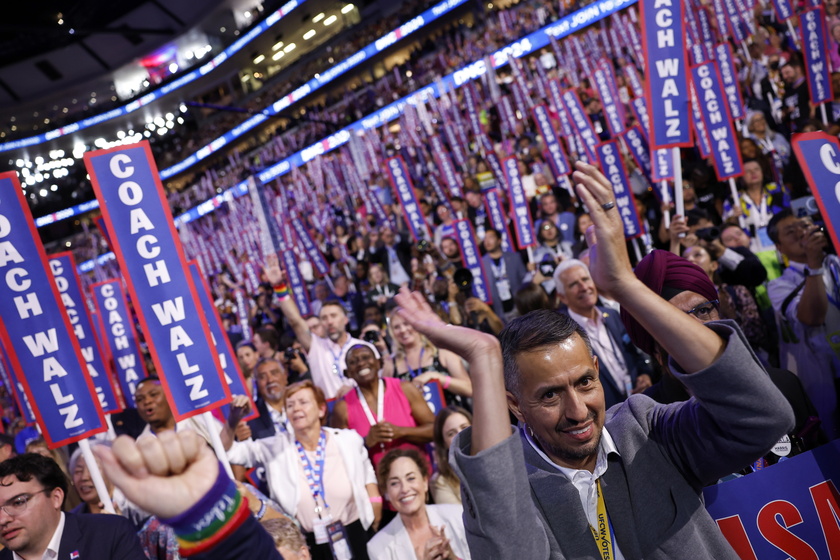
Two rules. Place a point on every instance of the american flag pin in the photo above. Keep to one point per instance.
(74, 555)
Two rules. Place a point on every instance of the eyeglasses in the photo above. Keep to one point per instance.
(17, 505)
(704, 310)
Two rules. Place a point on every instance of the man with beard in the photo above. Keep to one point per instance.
(576, 480)
(271, 378)
(324, 354)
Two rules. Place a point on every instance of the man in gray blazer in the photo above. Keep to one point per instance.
(625, 482)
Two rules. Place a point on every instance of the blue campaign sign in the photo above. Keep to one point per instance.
(453, 179)
(465, 236)
(400, 180)
(296, 283)
(63, 268)
(556, 155)
(788, 510)
(582, 124)
(717, 120)
(723, 53)
(227, 356)
(637, 145)
(612, 166)
(493, 205)
(310, 247)
(639, 107)
(819, 155)
(814, 47)
(36, 331)
(16, 388)
(433, 395)
(666, 72)
(704, 144)
(608, 91)
(784, 9)
(119, 336)
(662, 166)
(519, 211)
(151, 257)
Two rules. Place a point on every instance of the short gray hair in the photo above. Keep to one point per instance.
(563, 267)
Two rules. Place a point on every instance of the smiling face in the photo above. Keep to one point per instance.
(406, 487)
(29, 532)
(580, 292)
(271, 380)
(362, 365)
(303, 411)
(402, 331)
(83, 482)
(561, 399)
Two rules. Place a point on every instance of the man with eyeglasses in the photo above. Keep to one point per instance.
(806, 298)
(33, 527)
(688, 288)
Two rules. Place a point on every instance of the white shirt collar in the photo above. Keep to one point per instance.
(584, 321)
(55, 543)
(605, 447)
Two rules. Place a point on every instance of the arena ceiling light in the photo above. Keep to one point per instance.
(259, 59)
(289, 48)
(278, 55)
(318, 18)
(277, 46)
(347, 9)
(309, 34)
(330, 20)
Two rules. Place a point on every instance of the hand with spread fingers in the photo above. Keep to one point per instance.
(608, 258)
(484, 355)
(688, 342)
(467, 343)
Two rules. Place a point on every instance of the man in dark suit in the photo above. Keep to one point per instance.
(32, 489)
(394, 256)
(271, 378)
(505, 274)
(624, 370)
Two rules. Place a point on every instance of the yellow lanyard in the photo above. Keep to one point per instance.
(603, 535)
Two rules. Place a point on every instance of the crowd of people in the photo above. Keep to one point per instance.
(381, 424)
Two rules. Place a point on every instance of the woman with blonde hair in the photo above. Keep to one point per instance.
(417, 360)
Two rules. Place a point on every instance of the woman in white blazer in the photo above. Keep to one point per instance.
(318, 475)
(419, 531)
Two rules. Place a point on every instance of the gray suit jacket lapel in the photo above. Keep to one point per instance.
(559, 503)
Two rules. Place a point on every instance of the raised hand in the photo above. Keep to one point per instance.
(608, 259)
(467, 343)
(273, 272)
(164, 475)
(240, 406)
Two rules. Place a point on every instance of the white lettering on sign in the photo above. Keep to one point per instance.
(720, 134)
(116, 325)
(667, 69)
(831, 161)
